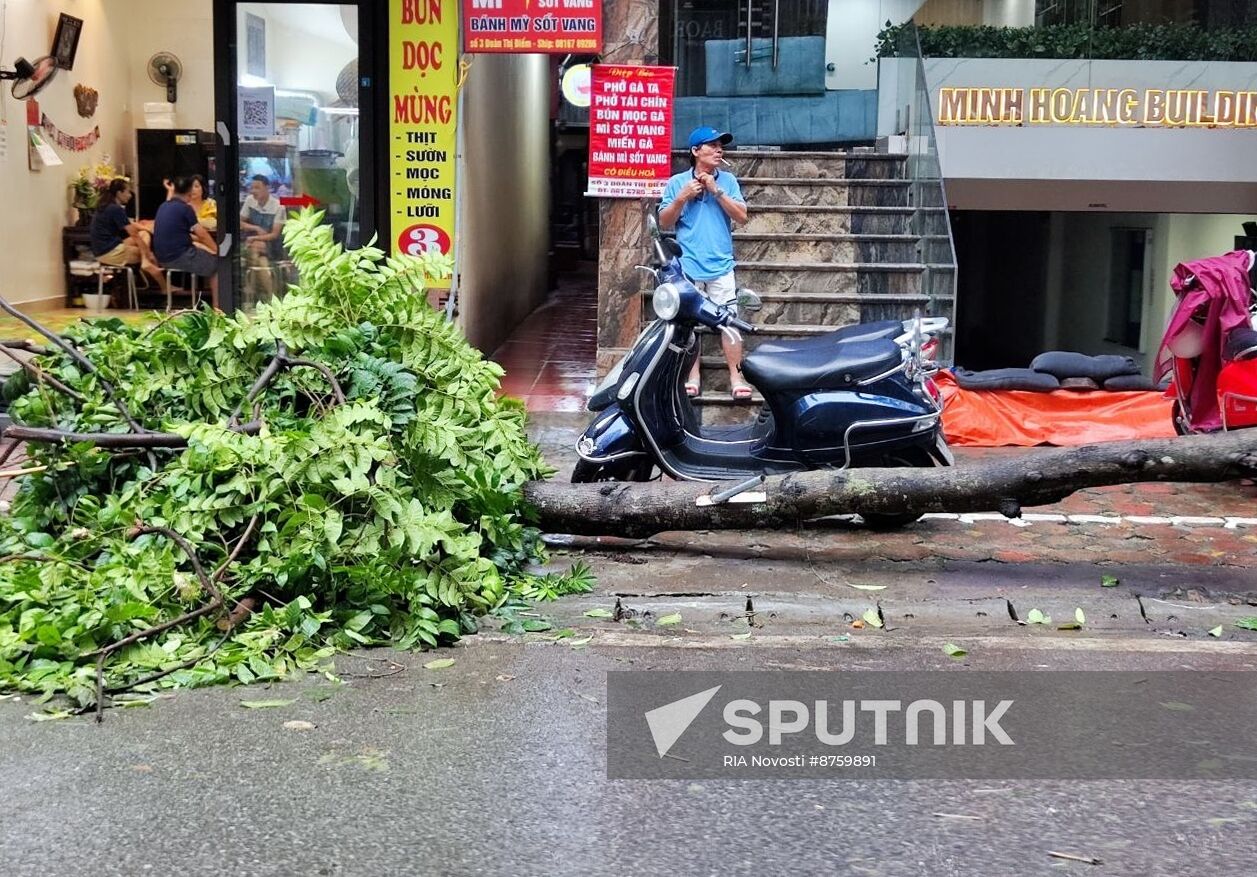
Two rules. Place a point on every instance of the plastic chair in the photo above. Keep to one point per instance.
(170, 294)
(106, 272)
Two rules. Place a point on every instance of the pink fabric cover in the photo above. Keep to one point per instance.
(1218, 288)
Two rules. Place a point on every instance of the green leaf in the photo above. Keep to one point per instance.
(1247, 623)
(439, 664)
(1079, 616)
(867, 587)
(1175, 706)
(872, 618)
(954, 651)
(1108, 581)
(746, 635)
(265, 704)
(1034, 616)
(1216, 631)
(669, 620)
(599, 613)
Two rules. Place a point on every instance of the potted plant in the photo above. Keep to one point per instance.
(88, 185)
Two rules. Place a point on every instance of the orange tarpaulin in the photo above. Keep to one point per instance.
(1022, 418)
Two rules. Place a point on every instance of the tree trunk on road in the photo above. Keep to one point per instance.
(1038, 477)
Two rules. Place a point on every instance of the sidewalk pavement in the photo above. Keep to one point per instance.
(1194, 525)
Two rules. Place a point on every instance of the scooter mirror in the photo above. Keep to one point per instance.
(749, 300)
(652, 225)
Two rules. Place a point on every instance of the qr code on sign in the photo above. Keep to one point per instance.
(256, 115)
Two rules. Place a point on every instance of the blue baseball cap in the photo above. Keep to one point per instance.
(707, 134)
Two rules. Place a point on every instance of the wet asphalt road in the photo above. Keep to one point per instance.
(497, 765)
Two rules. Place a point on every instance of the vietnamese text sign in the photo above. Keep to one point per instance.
(532, 26)
(423, 70)
(630, 131)
(1117, 107)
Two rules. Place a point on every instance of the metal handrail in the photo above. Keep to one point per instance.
(750, 33)
(924, 171)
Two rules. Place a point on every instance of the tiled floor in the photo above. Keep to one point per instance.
(57, 319)
(549, 359)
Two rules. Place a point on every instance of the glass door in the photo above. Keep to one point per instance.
(294, 109)
(754, 66)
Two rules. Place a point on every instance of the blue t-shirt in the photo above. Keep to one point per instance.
(109, 228)
(172, 230)
(704, 230)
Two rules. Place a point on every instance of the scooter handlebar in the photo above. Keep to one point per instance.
(741, 325)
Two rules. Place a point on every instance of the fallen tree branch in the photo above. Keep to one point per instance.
(1038, 477)
(264, 379)
(28, 346)
(113, 439)
(327, 373)
(216, 603)
(41, 376)
(75, 355)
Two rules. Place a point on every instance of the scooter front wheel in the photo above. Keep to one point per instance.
(633, 469)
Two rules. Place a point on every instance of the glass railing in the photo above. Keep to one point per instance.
(927, 192)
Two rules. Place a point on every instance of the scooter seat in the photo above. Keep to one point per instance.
(854, 332)
(819, 363)
(1241, 344)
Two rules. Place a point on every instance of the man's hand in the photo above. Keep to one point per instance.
(708, 182)
(692, 190)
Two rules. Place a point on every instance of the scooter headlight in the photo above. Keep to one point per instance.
(667, 301)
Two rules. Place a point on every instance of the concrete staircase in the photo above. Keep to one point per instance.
(832, 238)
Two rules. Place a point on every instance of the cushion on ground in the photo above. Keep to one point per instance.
(1130, 382)
(1006, 379)
(1067, 364)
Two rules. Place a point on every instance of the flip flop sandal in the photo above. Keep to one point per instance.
(742, 392)
(691, 389)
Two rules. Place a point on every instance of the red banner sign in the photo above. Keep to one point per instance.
(512, 26)
(630, 131)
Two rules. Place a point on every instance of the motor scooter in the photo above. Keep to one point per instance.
(859, 396)
(1232, 371)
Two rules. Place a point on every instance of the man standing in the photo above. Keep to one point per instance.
(703, 203)
(175, 233)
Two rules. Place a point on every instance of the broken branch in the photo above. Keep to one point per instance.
(639, 509)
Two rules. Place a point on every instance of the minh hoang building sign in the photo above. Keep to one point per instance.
(1114, 107)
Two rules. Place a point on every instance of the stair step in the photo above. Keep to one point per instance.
(826, 192)
(822, 181)
(831, 165)
(821, 237)
(894, 209)
(847, 267)
(819, 247)
(808, 219)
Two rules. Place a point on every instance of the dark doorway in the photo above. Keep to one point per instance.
(1002, 261)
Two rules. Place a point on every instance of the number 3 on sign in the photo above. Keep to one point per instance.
(420, 239)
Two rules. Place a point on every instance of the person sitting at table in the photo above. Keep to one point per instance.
(116, 239)
(261, 225)
(262, 218)
(206, 208)
(183, 244)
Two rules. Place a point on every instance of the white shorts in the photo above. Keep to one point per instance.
(722, 291)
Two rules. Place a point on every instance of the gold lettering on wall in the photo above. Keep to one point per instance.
(1108, 107)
